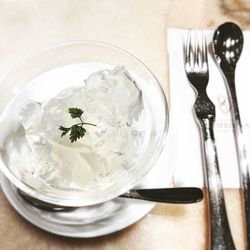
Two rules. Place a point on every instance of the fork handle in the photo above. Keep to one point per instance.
(220, 234)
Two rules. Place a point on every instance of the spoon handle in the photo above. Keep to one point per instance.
(182, 195)
(241, 148)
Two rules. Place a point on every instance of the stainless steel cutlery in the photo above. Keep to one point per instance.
(196, 67)
(227, 48)
(178, 195)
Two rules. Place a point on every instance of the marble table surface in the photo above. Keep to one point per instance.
(138, 26)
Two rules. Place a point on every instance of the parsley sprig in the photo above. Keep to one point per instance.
(77, 130)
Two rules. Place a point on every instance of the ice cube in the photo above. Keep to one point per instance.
(110, 99)
(29, 113)
(117, 88)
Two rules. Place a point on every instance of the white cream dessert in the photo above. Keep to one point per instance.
(113, 102)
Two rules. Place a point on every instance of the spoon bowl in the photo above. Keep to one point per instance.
(227, 45)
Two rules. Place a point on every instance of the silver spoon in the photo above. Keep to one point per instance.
(182, 195)
(227, 47)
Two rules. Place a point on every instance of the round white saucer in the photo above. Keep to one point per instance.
(82, 222)
(100, 219)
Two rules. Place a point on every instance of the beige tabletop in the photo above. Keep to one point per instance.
(138, 26)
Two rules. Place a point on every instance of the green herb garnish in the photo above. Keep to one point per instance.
(77, 130)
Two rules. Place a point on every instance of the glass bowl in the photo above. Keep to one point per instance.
(95, 53)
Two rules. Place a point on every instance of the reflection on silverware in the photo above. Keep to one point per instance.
(196, 66)
(182, 195)
(227, 47)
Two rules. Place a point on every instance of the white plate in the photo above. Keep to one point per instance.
(101, 219)
(83, 222)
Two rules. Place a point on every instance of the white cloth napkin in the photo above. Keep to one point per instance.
(189, 161)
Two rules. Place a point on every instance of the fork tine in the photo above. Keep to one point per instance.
(195, 52)
(188, 48)
(204, 48)
(196, 48)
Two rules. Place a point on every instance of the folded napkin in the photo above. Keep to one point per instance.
(184, 129)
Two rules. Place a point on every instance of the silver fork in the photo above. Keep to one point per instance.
(196, 66)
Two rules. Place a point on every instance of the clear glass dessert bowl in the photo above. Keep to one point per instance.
(40, 78)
